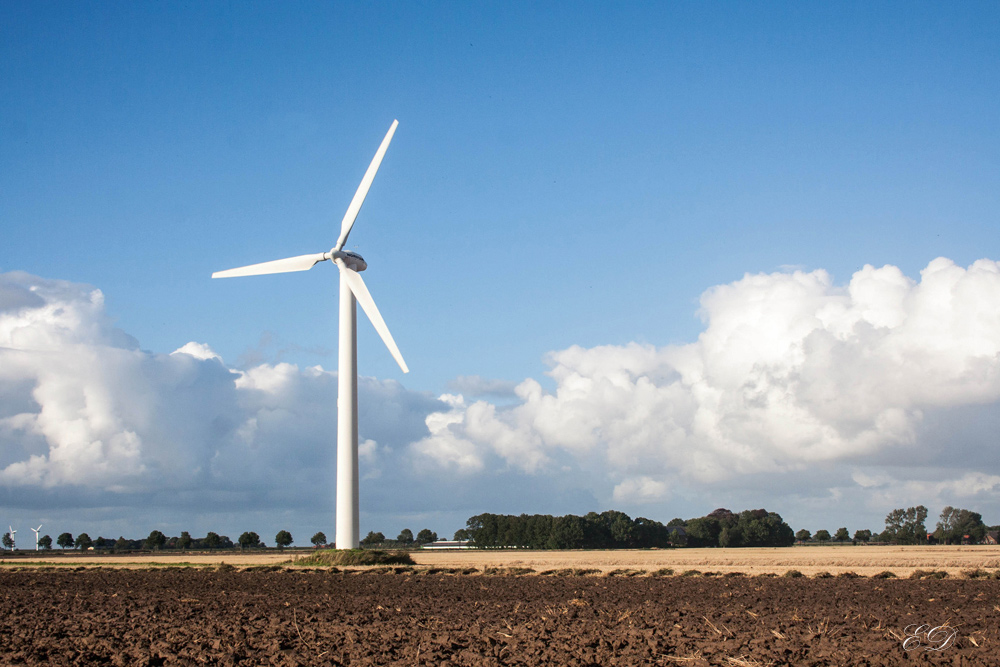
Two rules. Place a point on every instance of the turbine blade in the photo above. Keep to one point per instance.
(366, 183)
(364, 298)
(300, 263)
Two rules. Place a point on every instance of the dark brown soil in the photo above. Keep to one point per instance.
(196, 617)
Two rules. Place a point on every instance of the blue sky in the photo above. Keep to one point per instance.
(571, 174)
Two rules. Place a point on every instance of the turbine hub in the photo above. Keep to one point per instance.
(353, 260)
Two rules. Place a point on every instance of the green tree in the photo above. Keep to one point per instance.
(567, 532)
(373, 539)
(822, 535)
(45, 542)
(461, 535)
(621, 528)
(955, 524)
(405, 536)
(249, 540)
(318, 539)
(8, 541)
(650, 534)
(483, 530)
(721, 514)
(730, 535)
(803, 535)
(862, 535)
(155, 541)
(608, 530)
(842, 535)
(536, 532)
(510, 530)
(212, 540)
(753, 528)
(83, 542)
(703, 532)
(283, 538)
(65, 540)
(426, 536)
(906, 526)
(749, 528)
(121, 544)
(184, 541)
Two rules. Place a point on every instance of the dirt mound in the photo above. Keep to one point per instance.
(320, 617)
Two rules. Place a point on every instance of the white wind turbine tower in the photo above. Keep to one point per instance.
(352, 291)
(35, 531)
(12, 534)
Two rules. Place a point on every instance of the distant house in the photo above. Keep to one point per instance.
(992, 537)
(678, 536)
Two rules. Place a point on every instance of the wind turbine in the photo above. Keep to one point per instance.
(352, 291)
(12, 534)
(35, 531)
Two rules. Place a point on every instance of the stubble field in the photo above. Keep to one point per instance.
(863, 560)
(294, 616)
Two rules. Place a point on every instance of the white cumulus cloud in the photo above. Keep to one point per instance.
(791, 372)
(81, 406)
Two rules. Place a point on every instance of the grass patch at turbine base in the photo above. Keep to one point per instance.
(356, 557)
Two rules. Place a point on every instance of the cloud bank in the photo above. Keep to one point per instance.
(83, 407)
(798, 392)
(792, 376)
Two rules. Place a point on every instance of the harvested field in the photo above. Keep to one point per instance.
(192, 616)
(863, 560)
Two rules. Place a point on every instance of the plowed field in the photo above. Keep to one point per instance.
(253, 617)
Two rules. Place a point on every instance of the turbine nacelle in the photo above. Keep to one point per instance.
(351, 260)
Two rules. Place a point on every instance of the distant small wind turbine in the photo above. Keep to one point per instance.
(12, 533)
(352, 291)
(35, 531)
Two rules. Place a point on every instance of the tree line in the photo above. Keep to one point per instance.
(157, 541)
(908, 526)
(616, 530)
(607, 530)
(404, 540)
